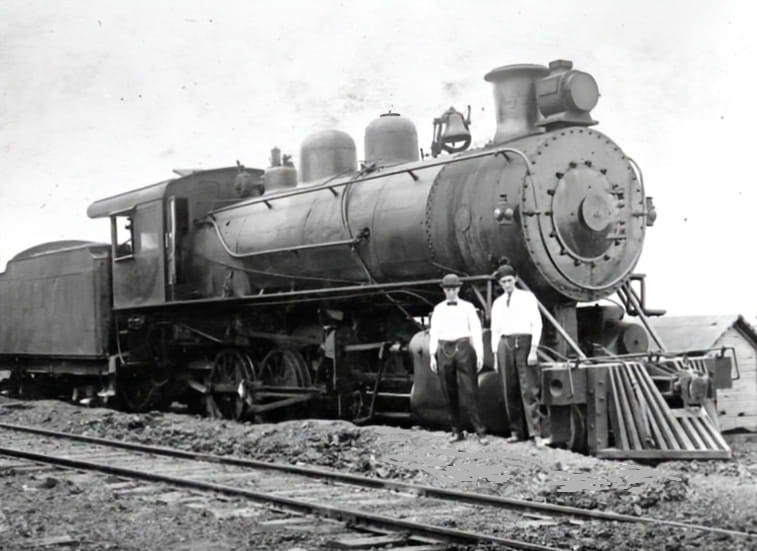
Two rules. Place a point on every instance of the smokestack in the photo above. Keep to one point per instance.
(515, 100)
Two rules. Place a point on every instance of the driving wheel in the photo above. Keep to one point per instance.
(232, 373)
(284, 367)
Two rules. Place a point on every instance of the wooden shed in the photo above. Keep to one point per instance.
(737, 406)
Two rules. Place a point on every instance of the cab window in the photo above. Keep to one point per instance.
(122, 230)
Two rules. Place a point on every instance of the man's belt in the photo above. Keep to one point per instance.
(515, 340)
(449, 348)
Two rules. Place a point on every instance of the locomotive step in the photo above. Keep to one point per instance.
(389, 394)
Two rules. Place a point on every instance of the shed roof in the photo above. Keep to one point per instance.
(680, 333)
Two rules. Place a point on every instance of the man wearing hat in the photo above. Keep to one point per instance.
(457, 353)
(516, 330)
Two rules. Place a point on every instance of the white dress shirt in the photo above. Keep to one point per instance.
(449, 323)
(520, 317)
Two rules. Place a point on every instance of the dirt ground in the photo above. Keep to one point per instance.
(32, 508)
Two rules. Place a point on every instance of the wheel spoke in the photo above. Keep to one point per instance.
(283, 367)
(230, 368)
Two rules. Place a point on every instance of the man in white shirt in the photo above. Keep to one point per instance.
(516, 330)
(457, 354)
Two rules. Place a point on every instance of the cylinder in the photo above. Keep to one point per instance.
(515, 100)
(280, 177)
(325, 154)
(391, 139)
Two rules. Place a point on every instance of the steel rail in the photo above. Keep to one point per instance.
(354, 517)
(417, 489)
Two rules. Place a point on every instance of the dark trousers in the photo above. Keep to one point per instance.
(456, 361)
(521, 385)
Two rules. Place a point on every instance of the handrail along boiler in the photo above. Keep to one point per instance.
(263, 293)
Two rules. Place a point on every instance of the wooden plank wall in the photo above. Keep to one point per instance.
(737, 406)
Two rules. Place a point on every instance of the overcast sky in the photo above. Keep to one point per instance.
(103, 97)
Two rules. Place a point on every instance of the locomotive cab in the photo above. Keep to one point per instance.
(138, 263)
(149, 230)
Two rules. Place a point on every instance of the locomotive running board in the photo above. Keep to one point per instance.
(645, 427)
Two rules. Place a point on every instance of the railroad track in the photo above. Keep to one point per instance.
(392, 512)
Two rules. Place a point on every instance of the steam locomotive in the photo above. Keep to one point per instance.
(263, 294)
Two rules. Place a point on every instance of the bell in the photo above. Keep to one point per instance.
(451, 132)
(455, 127)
